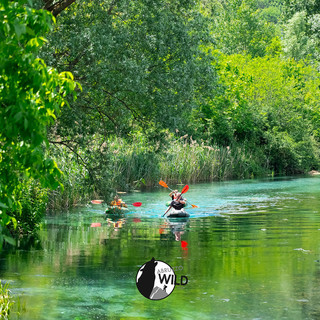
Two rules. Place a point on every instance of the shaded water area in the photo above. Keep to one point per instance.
(253, 253)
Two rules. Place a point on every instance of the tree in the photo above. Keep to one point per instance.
(296, 42)
(269, 104)
(291, 7)
(141, 65)
(31, 95)
(240, 28)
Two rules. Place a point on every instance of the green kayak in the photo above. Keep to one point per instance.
(173, 213)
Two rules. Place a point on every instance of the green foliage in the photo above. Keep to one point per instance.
(139, 62)
(302, 27)
(269, 104)
(6, 301)
(190, 160)
(310, 7)
(270, 14)
(134, 163)
(31, 95)
(33, 201)
(296, 43)
(151, 70)
(243, 28)
(141, 67)
(76, 180)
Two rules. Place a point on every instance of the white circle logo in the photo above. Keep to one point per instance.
(155, 280)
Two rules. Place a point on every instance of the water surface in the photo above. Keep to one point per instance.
(253, 253)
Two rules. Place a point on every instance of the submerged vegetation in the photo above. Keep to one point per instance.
(185, 91)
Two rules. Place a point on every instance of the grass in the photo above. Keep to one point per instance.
(195, 162)
(6, 301)
(180, 160)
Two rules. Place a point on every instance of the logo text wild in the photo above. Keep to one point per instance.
(156, 280)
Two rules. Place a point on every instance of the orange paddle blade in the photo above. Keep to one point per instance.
(185, 189)
(96, 201)
(184, 244)
(194, 206)
(162, 183)
(95, 224)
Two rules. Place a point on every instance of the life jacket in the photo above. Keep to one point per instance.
(176, 204)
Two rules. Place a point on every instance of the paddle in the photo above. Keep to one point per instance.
(95, 224)
(135, 204)
(184, 245)
(184, 190)
(163, 184)
(96, 201)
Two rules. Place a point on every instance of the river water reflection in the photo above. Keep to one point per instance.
(250, 251)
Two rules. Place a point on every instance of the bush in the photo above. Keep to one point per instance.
(33, 201)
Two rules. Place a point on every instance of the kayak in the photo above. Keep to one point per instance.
(116, 210)
(173, 213)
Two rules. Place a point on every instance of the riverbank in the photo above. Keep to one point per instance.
(138, 164)
(126, 165)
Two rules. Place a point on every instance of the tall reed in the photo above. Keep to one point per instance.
(6, 301)
(127, 165)
(188, 160)
(182, 159)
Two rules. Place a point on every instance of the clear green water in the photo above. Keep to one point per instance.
(253, 253)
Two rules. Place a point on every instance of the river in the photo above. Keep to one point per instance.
(250, 251)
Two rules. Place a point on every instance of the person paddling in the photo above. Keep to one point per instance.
(177, 200)
(118, 202)
(173, 194)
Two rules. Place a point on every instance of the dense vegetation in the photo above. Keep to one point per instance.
(179, 90)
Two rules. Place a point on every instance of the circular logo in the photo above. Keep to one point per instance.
(155, 280)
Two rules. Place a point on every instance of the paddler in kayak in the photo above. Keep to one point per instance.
(177, 202)
(118, 202)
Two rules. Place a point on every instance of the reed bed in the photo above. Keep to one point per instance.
(128, 165)
(194, 162)
(182, 160)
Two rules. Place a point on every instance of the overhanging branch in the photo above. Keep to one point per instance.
(56, 7)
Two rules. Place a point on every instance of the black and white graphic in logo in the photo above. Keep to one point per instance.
(155, 280)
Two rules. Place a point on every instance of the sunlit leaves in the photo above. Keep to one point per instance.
(31, 95)
(269, 103)
(241, 28)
